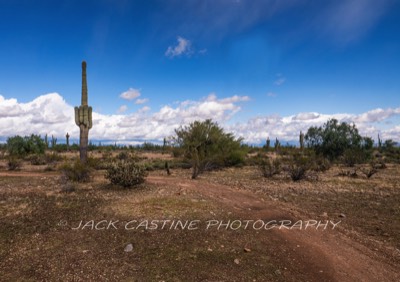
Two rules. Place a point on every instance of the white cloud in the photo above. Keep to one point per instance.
(122, 109)
(52, 115)
(141, 101)
(45, 114)
(280, 81)
(271, 94)
(9, 108)
(130, 94)
(144, 109)
(306, 116)
(377, 115)
(184, 47)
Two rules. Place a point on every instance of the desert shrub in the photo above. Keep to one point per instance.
(126, 173)
(321, 164)
(37, 159)
(106, 155)
(177, 152)
(269, 168)
(14, 164)
(157, 164)
(53, 157)
(76, 172)
(354, 156)
(206, 145)
(298, 167)
(179, 164)
(334, 138)
(42, 159)
(235, 158)
(21, 146)
(123, 155)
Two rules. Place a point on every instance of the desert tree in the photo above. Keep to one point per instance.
(207, 146)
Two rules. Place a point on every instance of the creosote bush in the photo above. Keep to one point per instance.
(125, 173)
(298, 167)
(14, 164)
(76, 172)
(321, 164)
(270, 167)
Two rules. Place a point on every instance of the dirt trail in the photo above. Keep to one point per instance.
(327, 255)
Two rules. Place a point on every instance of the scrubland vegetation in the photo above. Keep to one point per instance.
(200, 173)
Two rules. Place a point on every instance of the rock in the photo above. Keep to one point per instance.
(128, 248)
(342, 215)
(236, 261)
(247, 250)
(278, 272)
(324, 214)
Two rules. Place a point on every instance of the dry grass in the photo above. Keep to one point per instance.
(37, 242)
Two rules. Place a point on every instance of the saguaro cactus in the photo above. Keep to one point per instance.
(301, 140)
(67, 137)
(83, 118)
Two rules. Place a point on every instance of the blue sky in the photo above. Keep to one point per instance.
(252, 65)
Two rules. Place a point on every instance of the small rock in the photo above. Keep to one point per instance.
(236, 261)
(277, 272)
(209, 249)
(247, 250)
(128, 248)
(324, 214)
(342, 215)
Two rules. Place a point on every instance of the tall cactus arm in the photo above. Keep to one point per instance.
(77, 116)
(90, 117)
(84, 100)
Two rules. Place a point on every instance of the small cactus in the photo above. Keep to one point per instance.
(83, 118)
(301, 139)
(379, 142)
(277, 144)
(267, 143)
(46, 141)
(67, 137)
(53, 142)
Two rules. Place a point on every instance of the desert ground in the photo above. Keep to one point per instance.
(100, 232)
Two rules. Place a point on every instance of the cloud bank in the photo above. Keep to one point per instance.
(51, 114)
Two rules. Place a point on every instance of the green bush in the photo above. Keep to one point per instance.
(76, 172)
(235, 158)
(333, 139)
(269, 167)
(207, 146)
(126, 173)
(354, 156)
(22, 146)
